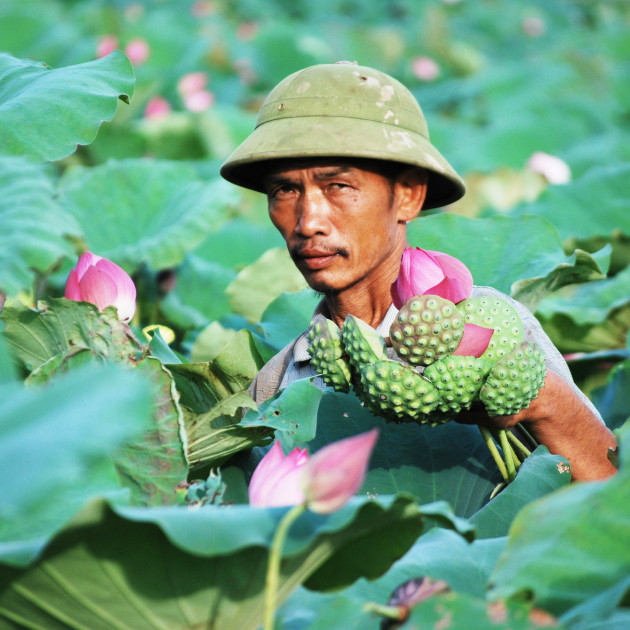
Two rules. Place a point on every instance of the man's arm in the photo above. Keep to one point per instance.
(558, 419)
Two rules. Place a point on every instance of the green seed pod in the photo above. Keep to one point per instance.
(514, 381)
(326, 351)
(394, 391)
(427, 328)
(498, 314)
(362, 344)
(458, 381)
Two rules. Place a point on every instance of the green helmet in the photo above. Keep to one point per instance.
(348, 111)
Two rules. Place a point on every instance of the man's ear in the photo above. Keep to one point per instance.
(411, 191)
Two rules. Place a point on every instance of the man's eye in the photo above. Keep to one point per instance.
(335, 186)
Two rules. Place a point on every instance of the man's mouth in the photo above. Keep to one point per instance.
(315, 259)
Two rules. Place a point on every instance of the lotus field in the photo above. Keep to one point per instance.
(140, 294)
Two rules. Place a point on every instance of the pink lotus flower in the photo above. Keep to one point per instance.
(192, 82)
(277, 479)
(103, 283)
(138, 51)
(106, 45)
(425, 68)
(474, 341)
(157, 107)
(428, 272)
(335, 473)
(325, 482)
(199, 101)
(552, 168)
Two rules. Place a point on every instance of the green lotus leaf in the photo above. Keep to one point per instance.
(507, 263)
(138, 568)
(256, 286)
(579, 546)
(47, 112)
(36, 230)
(56, 450)
(144, 211)
(597, 203)
(59, 328)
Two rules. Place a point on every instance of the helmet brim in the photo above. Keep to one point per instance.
(313, 136)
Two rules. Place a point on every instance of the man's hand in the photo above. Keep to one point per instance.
(558, 419)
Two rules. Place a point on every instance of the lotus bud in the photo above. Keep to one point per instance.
(103, 283)
(425, 272)
(277, 479)
(336, 472)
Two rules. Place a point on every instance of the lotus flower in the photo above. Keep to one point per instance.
(277, 479)
(474, 341)
(429, 272)
(103, 283)
(335, 473)
(325, 482)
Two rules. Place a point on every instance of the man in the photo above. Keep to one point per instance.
(343, 154)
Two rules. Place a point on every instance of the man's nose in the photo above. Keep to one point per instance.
(312, 214)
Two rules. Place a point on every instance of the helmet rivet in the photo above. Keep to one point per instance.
(281, 106)
(363, 77)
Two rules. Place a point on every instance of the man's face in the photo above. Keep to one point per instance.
(339, 220)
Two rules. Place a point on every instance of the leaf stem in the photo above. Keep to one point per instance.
(494, 451)
(273, 568)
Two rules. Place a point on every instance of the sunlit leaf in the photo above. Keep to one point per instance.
(144, 211)
(47, 112)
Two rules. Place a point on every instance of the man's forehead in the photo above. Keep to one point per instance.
(324, 167)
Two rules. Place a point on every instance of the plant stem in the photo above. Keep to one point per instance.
(507, 454)
(492, 447)
(273, 568)
(520, 447)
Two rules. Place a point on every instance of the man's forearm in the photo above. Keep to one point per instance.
(560, 420)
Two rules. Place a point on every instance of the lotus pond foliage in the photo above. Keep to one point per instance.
(140, 294)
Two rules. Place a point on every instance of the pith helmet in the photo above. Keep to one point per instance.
(342, 110)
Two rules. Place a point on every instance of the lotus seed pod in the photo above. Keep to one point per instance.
(361, 342)
(427, 328)
(514, 381)
(498, 314)
(458, 381)
(394, 391)
(326, 353)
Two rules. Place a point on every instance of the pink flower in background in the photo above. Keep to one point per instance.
(429, 272)
(199, 101)
(138, 51)
(552, 168)
(326, 481)
(474, 341)
(246, 31)
(425, 68)
(103, 283)
(192, 89)
(106, 44)
(336, 472)
(192, 82)
(277, 479)
(157, 107)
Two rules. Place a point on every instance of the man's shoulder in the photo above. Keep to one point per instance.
(267, 382)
